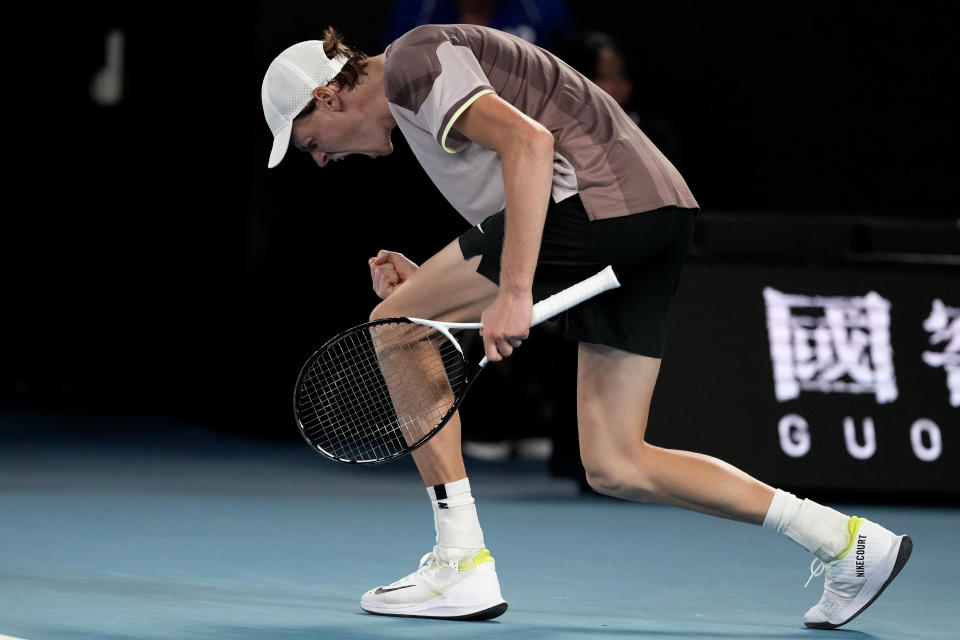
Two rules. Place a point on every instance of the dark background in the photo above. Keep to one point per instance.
(154, 264)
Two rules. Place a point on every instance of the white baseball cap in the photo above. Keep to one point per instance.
(288, 87)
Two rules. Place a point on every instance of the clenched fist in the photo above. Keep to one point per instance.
(389, 270)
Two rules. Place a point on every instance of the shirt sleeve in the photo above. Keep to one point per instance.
(437, 81)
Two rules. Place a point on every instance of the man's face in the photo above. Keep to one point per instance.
(333, 131)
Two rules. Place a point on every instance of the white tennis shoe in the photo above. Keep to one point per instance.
(464, 590)
(858, 576)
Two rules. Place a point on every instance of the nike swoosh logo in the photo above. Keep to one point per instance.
(479, 227)
(381, 590)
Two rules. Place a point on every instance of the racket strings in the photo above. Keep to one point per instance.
(339, 412)
(332, 403)
(378, 391)
(408, 399)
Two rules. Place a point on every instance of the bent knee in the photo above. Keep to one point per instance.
(378, 313)
(385, 309)
(621, 478)
(603, 482)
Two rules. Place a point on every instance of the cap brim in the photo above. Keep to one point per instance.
(280, 143)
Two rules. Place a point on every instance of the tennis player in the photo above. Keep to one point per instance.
(557, 182)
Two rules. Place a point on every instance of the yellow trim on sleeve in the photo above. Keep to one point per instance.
(457, 114)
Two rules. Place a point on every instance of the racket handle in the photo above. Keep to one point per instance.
(572, 296)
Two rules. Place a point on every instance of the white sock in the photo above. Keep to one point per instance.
(816, 528)
(455, 519)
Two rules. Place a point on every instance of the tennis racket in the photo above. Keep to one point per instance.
(380, 390)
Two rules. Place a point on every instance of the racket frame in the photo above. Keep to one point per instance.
(543, 310)
(442, 327)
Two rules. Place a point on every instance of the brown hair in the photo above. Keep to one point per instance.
(351, 73)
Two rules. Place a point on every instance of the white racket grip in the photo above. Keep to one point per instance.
(572, 296)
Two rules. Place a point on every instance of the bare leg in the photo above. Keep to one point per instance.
(614, 389)
(447, 288)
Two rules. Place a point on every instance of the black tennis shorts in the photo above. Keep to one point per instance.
(647, 251)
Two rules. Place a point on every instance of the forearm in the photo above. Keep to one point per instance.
(527, 177)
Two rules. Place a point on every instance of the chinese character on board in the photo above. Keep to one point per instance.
(830, 345)
(943, 325)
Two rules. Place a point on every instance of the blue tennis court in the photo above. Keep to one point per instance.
(156, 529)
(163, 288)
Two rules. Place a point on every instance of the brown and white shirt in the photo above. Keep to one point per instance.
(434, 72)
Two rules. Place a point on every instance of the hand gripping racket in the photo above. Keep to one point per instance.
(382, 389)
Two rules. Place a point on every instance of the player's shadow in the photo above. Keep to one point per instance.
(697, 632)
(364, 630)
